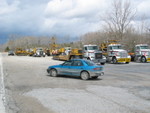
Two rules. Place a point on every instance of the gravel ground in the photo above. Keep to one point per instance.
(124, 88)
(94, 99)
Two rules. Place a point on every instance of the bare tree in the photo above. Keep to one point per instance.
(119, 18)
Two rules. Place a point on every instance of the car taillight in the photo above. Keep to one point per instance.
(98, 68)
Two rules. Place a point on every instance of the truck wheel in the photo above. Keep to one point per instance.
(114, 60)
(53, 72)
(84, 75)
(143, 59)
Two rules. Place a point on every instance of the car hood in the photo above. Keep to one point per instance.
(55, 66)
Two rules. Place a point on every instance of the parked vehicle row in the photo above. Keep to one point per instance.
(110, 51)
(35, 52)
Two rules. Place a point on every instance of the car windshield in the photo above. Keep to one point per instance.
(10, 51)
(92, 48)
(89, 63)
(116, 47)
(144, 47)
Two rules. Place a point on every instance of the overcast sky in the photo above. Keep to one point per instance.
(58, 17)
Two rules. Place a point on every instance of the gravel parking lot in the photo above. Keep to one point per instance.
(124, 88)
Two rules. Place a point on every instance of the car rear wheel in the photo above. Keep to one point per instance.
(84, 75)
(102, 63)
(53, 72)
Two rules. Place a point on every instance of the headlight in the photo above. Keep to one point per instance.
(145, 53)
(104, 57)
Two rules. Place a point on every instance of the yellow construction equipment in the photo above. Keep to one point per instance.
(67, 53)
(21, 52)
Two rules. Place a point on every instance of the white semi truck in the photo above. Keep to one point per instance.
(38, 52)
(116, 54)
(92, 52)
(142, 53)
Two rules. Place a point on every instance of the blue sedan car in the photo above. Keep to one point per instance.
(77, 67)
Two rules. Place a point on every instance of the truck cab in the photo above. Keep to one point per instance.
(39, 52)
(91, 52)
(116, 54)
(142, 53)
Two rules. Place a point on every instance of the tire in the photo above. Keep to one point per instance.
(85, 75)
(143, 59)
(95, 77)
(127, 62)
(53, 72)
(114, 60)
(102, 63)
(88, 59)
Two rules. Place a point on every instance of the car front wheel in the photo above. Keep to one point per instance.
(84, 75)
(53, 72)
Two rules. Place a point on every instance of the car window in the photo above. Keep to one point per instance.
(67, 63)
(77, 63)
(89, 63)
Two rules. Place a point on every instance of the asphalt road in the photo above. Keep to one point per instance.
(125, 88)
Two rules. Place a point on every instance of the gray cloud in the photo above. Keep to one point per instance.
(57, 17)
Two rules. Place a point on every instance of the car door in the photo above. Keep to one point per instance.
(76, 67)
(65, 68)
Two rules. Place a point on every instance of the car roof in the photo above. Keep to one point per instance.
(78, 59)
(82, 60)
